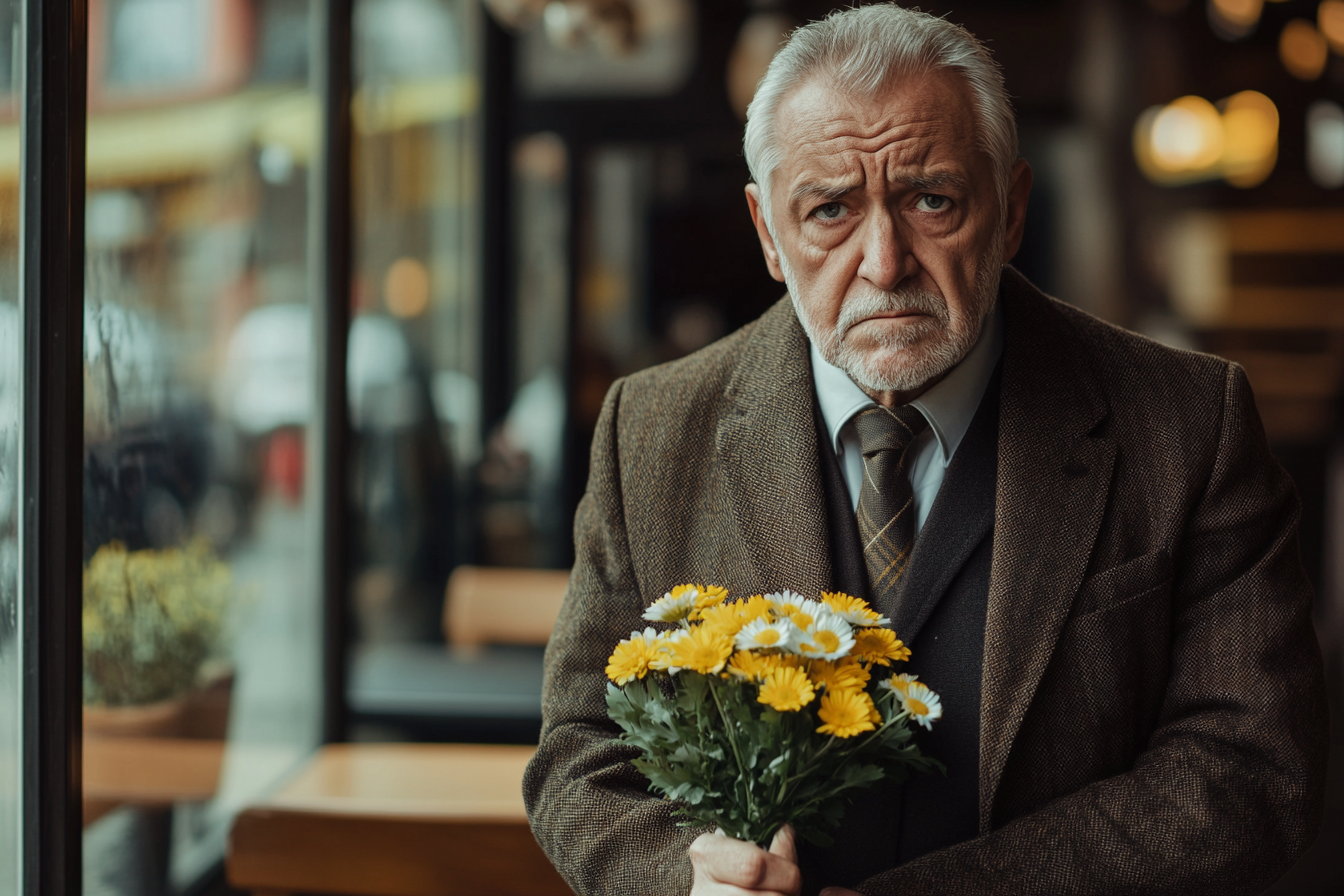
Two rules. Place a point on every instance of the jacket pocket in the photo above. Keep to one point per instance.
(1120, 584)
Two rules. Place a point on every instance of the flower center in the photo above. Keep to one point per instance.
(767, 637)
(828, 641)
(916, 707)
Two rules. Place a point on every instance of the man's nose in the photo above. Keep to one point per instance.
(887, 259)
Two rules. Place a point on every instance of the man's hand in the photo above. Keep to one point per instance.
(727, 867)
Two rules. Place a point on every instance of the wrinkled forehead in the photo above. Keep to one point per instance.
(923, 121)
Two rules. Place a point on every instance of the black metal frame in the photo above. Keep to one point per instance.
(333, 216)
(55, 41)
(52, 251)
(497, 317)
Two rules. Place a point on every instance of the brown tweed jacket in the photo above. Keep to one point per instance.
(1153, 715)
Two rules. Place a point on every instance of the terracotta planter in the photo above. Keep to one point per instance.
(206, 715)
(201, 714)
(162, 719)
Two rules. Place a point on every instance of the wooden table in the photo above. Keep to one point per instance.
(395, 820)
(148, 771)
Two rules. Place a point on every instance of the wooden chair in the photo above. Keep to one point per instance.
(395, 820)
(500, 605)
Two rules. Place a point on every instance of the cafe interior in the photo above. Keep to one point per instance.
(307, 312)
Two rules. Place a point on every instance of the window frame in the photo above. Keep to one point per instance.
(54, 116)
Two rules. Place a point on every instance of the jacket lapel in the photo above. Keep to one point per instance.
(1053, 480)
(767, 442)
(961, 516)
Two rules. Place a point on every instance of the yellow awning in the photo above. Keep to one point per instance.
(171, 142)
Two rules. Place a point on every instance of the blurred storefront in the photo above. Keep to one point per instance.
(341, 338)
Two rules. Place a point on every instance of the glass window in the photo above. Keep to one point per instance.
(414, 352)
(524, 520)
(202, 622)
(11, 413)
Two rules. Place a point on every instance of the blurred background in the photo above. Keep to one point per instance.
(547, 196)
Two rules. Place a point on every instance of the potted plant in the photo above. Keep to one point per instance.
(154, 624)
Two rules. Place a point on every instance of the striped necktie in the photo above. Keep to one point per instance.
(886, 500)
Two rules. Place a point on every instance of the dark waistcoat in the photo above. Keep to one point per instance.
(940, 614)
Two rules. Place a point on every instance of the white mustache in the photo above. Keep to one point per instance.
(860, 306)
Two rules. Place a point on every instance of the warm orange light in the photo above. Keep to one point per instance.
(1239, 13)
(1330, 19)
(1187, 135)
(1250, 138)
(1190, 140)
(1302, 50)
(406, 288)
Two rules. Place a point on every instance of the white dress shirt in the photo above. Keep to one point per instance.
(949, 407)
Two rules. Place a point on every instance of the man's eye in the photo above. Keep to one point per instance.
(932, 202)
(830, 211)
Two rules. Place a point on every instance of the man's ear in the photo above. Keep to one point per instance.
(767, 241)
(1019, 191)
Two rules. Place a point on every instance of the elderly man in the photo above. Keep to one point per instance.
(1081, 533)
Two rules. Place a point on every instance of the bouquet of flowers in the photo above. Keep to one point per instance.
(768, 710)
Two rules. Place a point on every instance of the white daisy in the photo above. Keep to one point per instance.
(808, 611)
(898, 683)
(853, 610)
(672, 609)
(759, 633)
(786, 601)
(922, 704)
(663, 661)
(649, 636)
(829, 637)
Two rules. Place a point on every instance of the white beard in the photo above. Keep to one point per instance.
(904, 359)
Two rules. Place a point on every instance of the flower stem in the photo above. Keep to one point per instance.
(732, 741)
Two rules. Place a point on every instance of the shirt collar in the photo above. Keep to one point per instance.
(949, 405)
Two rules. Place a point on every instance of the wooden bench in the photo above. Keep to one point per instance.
(395, 820)
(502, 605)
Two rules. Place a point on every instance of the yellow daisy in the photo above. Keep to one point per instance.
(874, 714)
(852, 609)
(707, 596)
(751, 666)
(725, 618)
(632, 657)
(846, 713)
(898, 683)
(922, 703)
(880, 646)
(842, 675)
(786, 689)
(755, 607)
(700, 650)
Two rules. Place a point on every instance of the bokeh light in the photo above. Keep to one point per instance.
(1330, 19)
(1234, 19)
(1302, 50)
(1190, 139)
(406, 288)
(1187, 135)
(1325, 144)
(1250, 138)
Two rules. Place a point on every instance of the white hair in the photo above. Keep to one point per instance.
(865, 50)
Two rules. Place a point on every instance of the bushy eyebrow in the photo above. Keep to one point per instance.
(821, 192)
(931, 183)
(817, 191)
